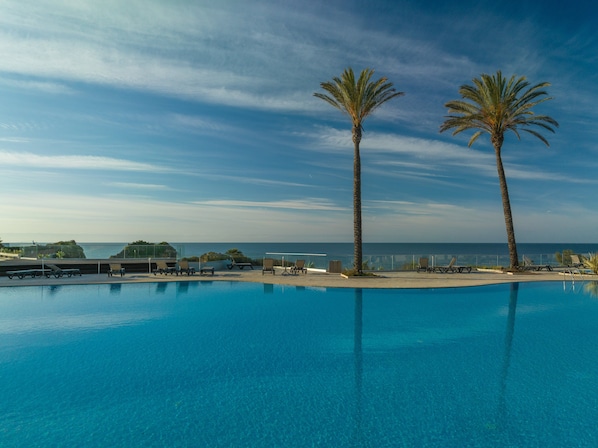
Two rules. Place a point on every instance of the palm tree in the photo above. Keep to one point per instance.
(358, 99)
(495, 105)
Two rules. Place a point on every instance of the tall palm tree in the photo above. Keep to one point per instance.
(495, 105)
(358, 99)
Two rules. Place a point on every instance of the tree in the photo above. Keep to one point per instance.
(143, 249)
(495, 105)
(358, 99)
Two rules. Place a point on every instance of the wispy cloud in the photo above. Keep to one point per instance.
(136, 186)
(314, 204)
(31, 160)
(49, 87)
(431, 156)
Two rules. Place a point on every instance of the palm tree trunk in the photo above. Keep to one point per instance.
(506, 205)
(357, 248)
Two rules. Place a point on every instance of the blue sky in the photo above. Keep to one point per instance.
(196, 121)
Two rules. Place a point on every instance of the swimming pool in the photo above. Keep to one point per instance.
(244, 364)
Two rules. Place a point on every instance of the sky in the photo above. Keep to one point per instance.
(196, 121)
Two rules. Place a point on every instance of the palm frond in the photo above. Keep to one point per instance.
(357, 98)
(538, 135)
(495, 104)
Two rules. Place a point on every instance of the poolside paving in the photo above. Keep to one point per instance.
(403, 279)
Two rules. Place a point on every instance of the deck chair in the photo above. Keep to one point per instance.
(115, 268)
(448, 268)
(299, 267)
(454, 267)
(241, 265)
(58, 272)
(576, 261)
(25, 273)
(163, 268)
(184, 268)
(528, 265)
(268, 266)
(424, 265)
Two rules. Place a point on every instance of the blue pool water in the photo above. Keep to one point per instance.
(232, 364)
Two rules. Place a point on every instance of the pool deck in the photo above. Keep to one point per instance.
(407, 279)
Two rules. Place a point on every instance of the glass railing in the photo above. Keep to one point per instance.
(371, 262)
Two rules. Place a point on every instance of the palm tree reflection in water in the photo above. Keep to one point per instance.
(502, 402)
(358, 368)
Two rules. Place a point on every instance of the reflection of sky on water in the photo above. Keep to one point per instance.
(419, 318)
(81, 322)
(48, 315)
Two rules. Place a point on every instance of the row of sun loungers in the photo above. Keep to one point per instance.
(182, 268)
(451, 267)
(268, 266)
(162, 267)
(48, 271)
(528, 265)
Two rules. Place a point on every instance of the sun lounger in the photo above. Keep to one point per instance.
(448, 268)
(528, 265)
(163, 268)
(424, 265)
(268, 266)
(184, 268)
(206, 270)
(115, 268)
(453, 267)
(59, 272)
(234, 264)
(576, 261)
(21, 274)
(299, 267)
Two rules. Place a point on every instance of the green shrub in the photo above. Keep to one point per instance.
(213, 256)
(143, 249)
(61, 249)
(592, 263)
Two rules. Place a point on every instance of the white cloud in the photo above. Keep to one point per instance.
(53, 88)
(46, 218)
(311, 204)
(31, 160)
(430, 156)
(137, 186)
